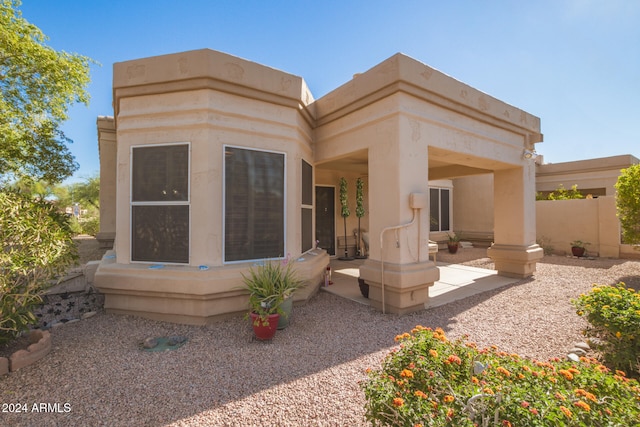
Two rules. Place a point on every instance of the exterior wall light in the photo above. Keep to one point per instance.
(529, 154)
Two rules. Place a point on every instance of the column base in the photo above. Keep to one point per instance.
(406, 286)
(514, 260)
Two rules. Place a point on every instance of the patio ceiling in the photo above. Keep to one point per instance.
(443, 164)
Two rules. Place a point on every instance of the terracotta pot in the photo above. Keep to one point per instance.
(265, 331)
(576, 251)
(453, 247)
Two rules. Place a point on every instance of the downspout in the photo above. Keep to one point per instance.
(395, 227)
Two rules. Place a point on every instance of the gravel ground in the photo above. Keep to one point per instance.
(307, 376)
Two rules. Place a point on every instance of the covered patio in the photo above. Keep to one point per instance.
(457, 281)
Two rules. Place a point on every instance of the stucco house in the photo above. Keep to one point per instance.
(211, 163)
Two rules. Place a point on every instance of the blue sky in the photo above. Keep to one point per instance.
(573, 63)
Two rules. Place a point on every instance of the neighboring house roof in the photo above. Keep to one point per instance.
(594, 176)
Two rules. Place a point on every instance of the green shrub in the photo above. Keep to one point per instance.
(90, 225)
(431, 381)
(614, 315)
(35, 248)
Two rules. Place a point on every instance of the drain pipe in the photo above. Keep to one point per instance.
(395, 227)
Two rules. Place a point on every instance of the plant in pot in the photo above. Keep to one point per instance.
(270, 284)
(454, 242)
(578, 248)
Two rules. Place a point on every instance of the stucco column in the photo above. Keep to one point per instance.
(107, 148)
(398, 260)
(515, 251)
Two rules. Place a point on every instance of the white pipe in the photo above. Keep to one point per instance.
(395, 227)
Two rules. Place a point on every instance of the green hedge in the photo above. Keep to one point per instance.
(35, 248)
(614, 315)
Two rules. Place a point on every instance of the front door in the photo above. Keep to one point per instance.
(325, 218)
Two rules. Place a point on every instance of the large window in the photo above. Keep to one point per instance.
(439, 209)
(254, 215)
(160, 203)
(307, 207)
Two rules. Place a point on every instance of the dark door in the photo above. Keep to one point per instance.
(325, 219)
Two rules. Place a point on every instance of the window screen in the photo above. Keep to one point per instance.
(254, 204)
(160, 203)
(439, 211)
(307, 207)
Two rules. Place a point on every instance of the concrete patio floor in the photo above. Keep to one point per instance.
(456, 282)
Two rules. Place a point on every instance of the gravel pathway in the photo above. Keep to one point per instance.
(307, 376)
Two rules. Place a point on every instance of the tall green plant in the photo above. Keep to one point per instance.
(359, 210)
(344, 212)
(628, 203)
(35, 248)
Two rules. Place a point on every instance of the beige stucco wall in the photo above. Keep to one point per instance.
(473, 208)
(209, 100)
(107, 145)
(559, 222)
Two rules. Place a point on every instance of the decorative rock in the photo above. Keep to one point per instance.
(582, 345)
(73, 321)
(4, 366)
(578, 351)
(175, 340)
(573, 357)
(88, 314)
(150, 343)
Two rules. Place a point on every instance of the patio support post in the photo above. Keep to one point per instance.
(397, 168)
(515, 251)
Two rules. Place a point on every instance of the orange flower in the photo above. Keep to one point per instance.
(525, 404)
(582, 405)
(487, 390)
(506, 423)
(433, 353)
(566, 411)
(559, 396)
(454, 359)
(621, 373)
(568, 375)
(474, 380)
(448, 398)
(503, 371)
(534, 411)
(450, 413)
(420, 394)
(398, 402)
(406, 373)
(584, 393)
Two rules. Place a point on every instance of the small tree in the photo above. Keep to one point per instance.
(359, 212)
(36, 247)
(37, 86)
(562, 193)
(628, 203)
(344, 212)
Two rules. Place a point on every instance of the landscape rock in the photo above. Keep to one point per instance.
(150, 342)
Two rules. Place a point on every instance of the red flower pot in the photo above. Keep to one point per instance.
(265, 331)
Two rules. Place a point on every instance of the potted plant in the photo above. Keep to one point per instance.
(454, 242)
(578, 247)
(270, 284)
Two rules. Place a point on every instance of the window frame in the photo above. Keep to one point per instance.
(133, 203)
(449, 208)
(306, 208)
(224, 203)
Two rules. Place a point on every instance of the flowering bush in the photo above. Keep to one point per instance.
(614, 314)
(431, 381)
